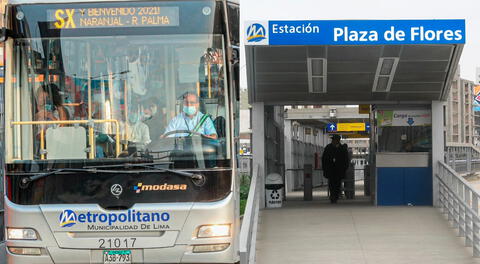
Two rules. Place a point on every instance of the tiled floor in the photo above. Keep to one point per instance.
(356, 232)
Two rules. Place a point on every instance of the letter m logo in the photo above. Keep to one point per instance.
(255, 33)
(68, 218)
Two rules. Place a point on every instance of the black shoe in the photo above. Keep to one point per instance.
(333, 201)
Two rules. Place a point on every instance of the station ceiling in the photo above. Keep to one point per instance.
(281, 74)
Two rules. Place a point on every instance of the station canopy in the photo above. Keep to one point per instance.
(352, 61)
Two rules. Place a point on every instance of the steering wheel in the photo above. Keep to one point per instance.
(191, 133)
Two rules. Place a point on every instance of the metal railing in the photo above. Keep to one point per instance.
(458, 199)
(91, 136)
(463, 158)
(248, 232)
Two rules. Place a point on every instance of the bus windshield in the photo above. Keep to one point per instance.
(143, 97)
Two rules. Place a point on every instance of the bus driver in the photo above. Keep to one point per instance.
(191, 119)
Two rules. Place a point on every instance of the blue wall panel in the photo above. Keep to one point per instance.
(390, 186)
(403, 186)
(418, 186)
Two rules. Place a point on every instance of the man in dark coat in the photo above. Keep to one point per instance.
(335, 164)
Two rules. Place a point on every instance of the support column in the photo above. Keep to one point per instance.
(288, 155)
(307, 182)
(258, 146)
(438, 144)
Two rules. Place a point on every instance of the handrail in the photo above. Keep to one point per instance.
(466, 146)
(73, 122)
(459, 200)
(463, 157)
(248, 232)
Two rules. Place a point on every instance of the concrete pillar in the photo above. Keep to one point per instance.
(307, 182)
(438, 144)
(288, 156)
(279, 112)
(258, 146)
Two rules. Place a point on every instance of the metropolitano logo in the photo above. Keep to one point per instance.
(68, 218)
(256, 33)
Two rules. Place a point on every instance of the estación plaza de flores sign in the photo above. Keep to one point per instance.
(355, 32)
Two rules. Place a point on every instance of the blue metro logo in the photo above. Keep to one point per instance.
(68, 218)
(255, 33)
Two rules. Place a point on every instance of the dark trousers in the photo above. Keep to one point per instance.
(334, 185)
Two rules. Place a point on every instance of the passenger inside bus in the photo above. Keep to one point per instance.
(139, 133)
(49, 105)
(210, 72)
(154, 117)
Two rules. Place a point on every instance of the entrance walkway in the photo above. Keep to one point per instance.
(357, 232)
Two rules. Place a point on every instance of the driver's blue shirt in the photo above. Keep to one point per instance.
(183, 122)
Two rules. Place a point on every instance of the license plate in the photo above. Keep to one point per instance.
(117, 256)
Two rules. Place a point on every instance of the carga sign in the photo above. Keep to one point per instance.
(356, 32)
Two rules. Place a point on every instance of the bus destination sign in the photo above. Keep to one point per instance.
(111, 17)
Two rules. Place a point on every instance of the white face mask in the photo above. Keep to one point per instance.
(189, 110)
(146, 117)
(133, 118)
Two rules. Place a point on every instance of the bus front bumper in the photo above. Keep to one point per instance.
(176, 254)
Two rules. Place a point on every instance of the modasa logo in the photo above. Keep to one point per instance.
(68, 218)
(255, 33)
(159, 187)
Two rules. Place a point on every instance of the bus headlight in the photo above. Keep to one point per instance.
(25, 251)
(21, 234)
(205, 231)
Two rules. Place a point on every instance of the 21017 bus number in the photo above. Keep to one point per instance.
(117, 242)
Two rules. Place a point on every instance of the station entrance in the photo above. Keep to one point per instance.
(404, 83)
(388, 148)
(308, 130)
(389, 152)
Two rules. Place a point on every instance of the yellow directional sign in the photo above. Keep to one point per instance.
(347, 127)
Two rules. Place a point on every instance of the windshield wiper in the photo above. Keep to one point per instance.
(26, 180)
(197, 179)
(127, 165)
